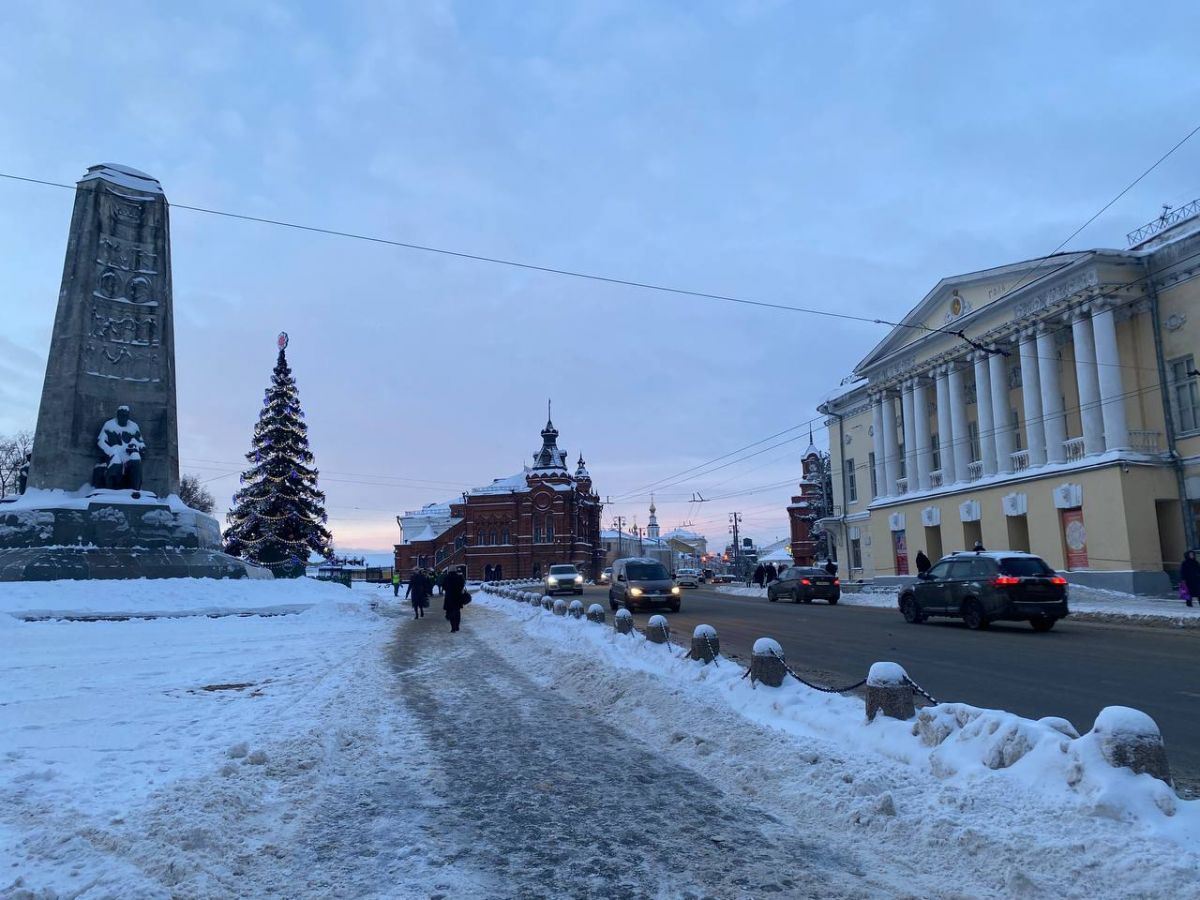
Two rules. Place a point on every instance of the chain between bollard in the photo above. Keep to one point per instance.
(816, 687)
(920, 690)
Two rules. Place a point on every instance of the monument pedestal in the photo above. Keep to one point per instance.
(46, 535)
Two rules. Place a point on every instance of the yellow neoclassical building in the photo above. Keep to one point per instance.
(1050, 405)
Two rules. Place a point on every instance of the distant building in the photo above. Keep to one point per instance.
(1066, 424)
(804, 509)
(515, 527)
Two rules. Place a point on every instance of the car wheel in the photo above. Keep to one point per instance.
(912, 612)
(771, 597)
(973, 615)
(1042, 624)
(833, 601)
(807, 598)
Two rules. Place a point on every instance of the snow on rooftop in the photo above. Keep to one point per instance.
(124, 176)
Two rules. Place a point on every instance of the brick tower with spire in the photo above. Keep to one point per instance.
(803, 510)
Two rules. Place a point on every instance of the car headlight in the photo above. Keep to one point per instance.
(635, 592)
(675, 589)
(551, 581)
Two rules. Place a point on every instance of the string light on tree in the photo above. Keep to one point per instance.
(278, 515)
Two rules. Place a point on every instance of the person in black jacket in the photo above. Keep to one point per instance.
(923, 563)
(453, 585)
(418, 593)
(830, 567)
(1189, 574)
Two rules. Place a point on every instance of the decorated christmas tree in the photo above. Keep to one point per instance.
(278, 515)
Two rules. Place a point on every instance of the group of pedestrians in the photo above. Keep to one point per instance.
(452, 584)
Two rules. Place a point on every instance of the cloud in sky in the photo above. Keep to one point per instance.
(835, 158)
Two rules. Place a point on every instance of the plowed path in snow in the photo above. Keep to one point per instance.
(534, 797)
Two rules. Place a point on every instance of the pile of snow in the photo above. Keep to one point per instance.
(130, 748)
(165, 597)
(996, 763)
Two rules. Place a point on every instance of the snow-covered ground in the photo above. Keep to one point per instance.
(1085, 602)
(348, 750)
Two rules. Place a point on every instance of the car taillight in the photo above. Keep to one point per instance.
(1058, 579)
(1005, 580)
(805, 581)
(837, 581)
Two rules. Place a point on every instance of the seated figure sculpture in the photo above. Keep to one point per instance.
(121, 443)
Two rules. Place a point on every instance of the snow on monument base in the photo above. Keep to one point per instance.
(49, 535)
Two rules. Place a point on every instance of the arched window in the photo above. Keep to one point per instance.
(549, 529)
(537, 529)
(504, 536)
(492, 537)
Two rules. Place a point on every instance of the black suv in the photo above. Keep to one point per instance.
(983, 587)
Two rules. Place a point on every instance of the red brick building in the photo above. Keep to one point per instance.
(805, 508)
(515, 527)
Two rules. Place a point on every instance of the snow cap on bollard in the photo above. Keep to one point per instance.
(767, 663)
(547, 601)
(595, 613)
(575, 609)
(1130, 738)
(560, 607)
(534, 599)
(889, 692)
(623, 621)
(705, 644)
(657, 630)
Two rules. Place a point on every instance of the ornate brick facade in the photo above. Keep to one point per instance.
(514, 527)
(803, 508)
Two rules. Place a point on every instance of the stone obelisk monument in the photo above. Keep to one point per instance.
(114, 339)
(101, 501)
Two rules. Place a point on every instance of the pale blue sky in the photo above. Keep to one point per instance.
(841, 156)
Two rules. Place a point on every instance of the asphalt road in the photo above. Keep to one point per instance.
(1073, 671)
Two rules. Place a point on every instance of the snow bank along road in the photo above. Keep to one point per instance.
(340, 752)
(1074, 671)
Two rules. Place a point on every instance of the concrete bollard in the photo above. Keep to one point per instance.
(559, 607)
(889, 692)
(767, 663)
(547, 602)
(705, 644)
(595, 613)
(657, 630)
(1130, 738)
(535, 599)
(623, 621)
(575, 609)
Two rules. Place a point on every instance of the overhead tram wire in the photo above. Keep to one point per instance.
(511, 263)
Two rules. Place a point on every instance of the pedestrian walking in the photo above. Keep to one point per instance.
(830, 567)
(979, 548)
(770, 574)
(395, 583)
(760, 572)
(1189, 575)
(418, 593)
(923, 563)
(455, 596)
(437, 582)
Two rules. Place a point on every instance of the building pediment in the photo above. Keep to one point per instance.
(958, 301)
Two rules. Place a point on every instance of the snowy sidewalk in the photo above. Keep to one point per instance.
(535, 797)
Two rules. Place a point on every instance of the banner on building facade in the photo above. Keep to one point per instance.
(1074, 538)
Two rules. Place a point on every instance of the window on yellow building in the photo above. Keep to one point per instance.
(1185, 393)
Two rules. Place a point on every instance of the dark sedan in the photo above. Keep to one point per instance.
(802, 584)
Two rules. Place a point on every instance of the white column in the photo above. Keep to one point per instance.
(921, 441)
(1001, 412)
(1052, 399)
(958, 423)
(983, 405)
(880, 451)
(1089, 383)
(910, 438)
(1108, 371)
(891, 446)
(1031, 394)
(946, 431)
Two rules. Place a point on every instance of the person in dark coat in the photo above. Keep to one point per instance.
(760, 574)
(418, 593)
(1189, 574)
(453, 585)
(830, 568)
(923, 563)
(979, 548)
(770, 574)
